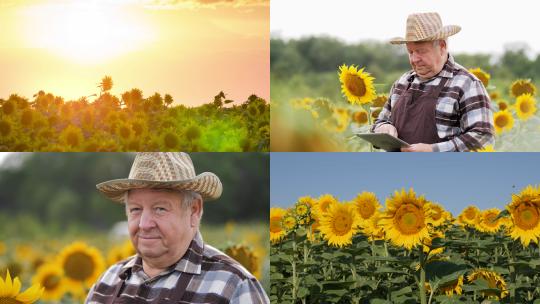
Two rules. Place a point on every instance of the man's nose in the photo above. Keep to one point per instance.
(415, 58)
(147, 220)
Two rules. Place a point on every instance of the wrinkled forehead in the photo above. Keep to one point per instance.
(151, 194)
(424, 45)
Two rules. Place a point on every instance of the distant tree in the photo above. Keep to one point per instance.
(168, 100)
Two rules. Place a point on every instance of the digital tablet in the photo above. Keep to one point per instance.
(383, 141)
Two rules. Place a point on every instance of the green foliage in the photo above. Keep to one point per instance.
(60, 188)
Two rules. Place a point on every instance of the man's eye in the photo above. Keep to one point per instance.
(132, 210)
(160, 209)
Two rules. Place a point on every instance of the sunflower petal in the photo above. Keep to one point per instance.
(16, 287)
(31, 295)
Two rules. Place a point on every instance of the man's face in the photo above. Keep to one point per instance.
(426, 59)
(158, 226)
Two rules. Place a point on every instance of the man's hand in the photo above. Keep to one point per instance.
(418, 148)
(386, 128)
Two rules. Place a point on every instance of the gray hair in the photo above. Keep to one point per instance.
(436, 42)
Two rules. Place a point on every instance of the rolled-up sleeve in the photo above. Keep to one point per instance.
(476, 121)
(384, 116)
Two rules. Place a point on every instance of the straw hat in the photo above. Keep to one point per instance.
(426, 27)
(170, 170)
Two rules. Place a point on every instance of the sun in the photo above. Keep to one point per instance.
(87, 32)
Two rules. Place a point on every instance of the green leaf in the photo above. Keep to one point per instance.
(401, 292)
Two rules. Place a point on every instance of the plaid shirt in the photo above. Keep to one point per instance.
(203, 275)
(463, 116)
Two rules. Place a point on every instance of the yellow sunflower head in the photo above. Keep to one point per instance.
(360, 117)
(339, 224)
(481, 75)
(494, 281)
(380, 101)
(72, 136)
(503, 105)
(525, 214)
(366, 204)
(405, 220)
(428, 242)
(452, 287)
(323, 204)
(468, 216)
(372, 229)
(339, 121)
(356, 84)
(50, 276)
(308, 200)
(245, 256)
(277, 231)
(503, 121)
(494, 95)
(302, 209)
(437, 214)
(488, 222)
(488, 148)
(82, 265)
(10, 291)
(525, 106)
(289, 221)
(522, 86)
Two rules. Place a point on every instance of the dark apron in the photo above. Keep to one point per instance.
(413, 115)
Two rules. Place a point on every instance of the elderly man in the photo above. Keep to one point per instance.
(439, 105)
(164, 204)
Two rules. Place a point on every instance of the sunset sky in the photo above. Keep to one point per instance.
(191, 49)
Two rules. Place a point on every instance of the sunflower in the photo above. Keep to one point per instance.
(488, 148)
(72, 136)
(488, 222)
(277, 232)
(522, 86)
(405, 220)
(10, 291)
(468, 216)
(525, 106)
(375, 113)
(246, 257)
(193, 132)
(366, 204)
(124, 131)
(356, 84)
(494, 281)
(360, 117)
(8, 107)
(525, 214)
(452, 287)
(81, 264)
(503, 121)
(323, 204)
(289, 221)
(339, 224)
(494, 95)
(481, 75)
(170, 141)
(302, 208)
(308, 200)
(372, 229)
(437, 214)
(50, 277)
(380, 101)
(339, 120)
(503, 105)
(27, 117)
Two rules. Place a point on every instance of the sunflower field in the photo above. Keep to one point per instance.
(322, 124)
(131, 122)
(410, 251)
(62, 270)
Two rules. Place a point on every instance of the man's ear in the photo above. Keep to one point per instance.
(196, 212)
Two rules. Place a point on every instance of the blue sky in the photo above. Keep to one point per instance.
(454, 180)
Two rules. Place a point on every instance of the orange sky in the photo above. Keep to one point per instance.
(191, 49)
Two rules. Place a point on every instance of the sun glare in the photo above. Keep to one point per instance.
(86, 31)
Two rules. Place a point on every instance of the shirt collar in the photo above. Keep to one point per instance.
(191, 262)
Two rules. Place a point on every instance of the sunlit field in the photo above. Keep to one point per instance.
(61, 269)
(410, 251)
(132, 122)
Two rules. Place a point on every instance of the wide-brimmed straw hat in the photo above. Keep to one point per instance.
(167, 170)
(426, 27)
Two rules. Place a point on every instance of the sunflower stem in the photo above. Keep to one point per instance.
(422, 282)
(513, 273)
(293, 264)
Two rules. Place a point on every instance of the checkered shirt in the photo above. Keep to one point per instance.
(209, 275)
(463, 116)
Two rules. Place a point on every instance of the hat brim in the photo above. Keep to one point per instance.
(443, 33)
(206, 184)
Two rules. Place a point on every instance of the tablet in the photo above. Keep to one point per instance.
(383, 141)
